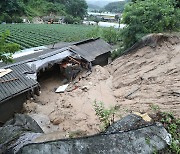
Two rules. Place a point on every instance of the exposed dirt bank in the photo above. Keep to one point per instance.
(150, 75)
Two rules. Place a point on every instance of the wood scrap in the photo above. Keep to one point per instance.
(4, 81)
(74, 60)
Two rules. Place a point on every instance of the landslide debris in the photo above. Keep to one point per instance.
(149, 73)
(145, 78)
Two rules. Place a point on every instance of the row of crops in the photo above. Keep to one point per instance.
(32, 35)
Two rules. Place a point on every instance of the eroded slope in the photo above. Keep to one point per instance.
(150, 75)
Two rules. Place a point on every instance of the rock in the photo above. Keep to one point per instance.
(69, 105)
(17, 132)
(85, 88)
(44, 122)
(128, 135)
(57, 120)
(30, 106)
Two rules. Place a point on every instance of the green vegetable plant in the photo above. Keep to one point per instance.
(106, 116)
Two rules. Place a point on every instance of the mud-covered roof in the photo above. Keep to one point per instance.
(92, 48)
(16, 82)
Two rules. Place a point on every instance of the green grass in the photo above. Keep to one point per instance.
(32, 35)
(172, 125)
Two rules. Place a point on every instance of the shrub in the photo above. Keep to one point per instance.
(7, 49)
(110, 35)
(106, 116)
(69, 19)
(144, 17)
(95, 32)
(5, 18)
(17, 19)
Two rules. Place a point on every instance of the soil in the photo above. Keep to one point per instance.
(136, 82)
(151, 76)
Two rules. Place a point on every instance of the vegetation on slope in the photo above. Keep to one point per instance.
(143, 17)
(116, 7)
(172, 125)
(10, 10)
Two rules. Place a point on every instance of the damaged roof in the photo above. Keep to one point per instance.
(16, 82)
(88, 49)
(92, 48)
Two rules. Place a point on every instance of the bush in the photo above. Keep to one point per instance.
(106, 116)
(17, 19)
(7, 49)
(69, 19)
(144, 17)
(110, 35)
(5, 18)
(95, 32)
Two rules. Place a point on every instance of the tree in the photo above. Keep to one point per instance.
(146, 16)
(12, 7)
(76, 8)
(7, 49)
(110, 35)
(116, 7)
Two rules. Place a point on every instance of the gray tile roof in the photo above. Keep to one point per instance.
(16, 82)
(92, 48)
(37, 54)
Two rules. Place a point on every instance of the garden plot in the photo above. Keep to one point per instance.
(34, 35)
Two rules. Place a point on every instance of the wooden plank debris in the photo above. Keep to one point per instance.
(3, 72)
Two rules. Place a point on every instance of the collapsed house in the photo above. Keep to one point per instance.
(21, 82)
(15, 87)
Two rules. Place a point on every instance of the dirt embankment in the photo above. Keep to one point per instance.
(135, 81)
(149, 75)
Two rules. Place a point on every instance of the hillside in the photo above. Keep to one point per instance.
(93, 7)
(12, 10)
(98, 3)
(116, 7)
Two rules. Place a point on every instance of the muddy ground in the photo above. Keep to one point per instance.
(137, 82)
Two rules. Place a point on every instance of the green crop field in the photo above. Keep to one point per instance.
(33, 35)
